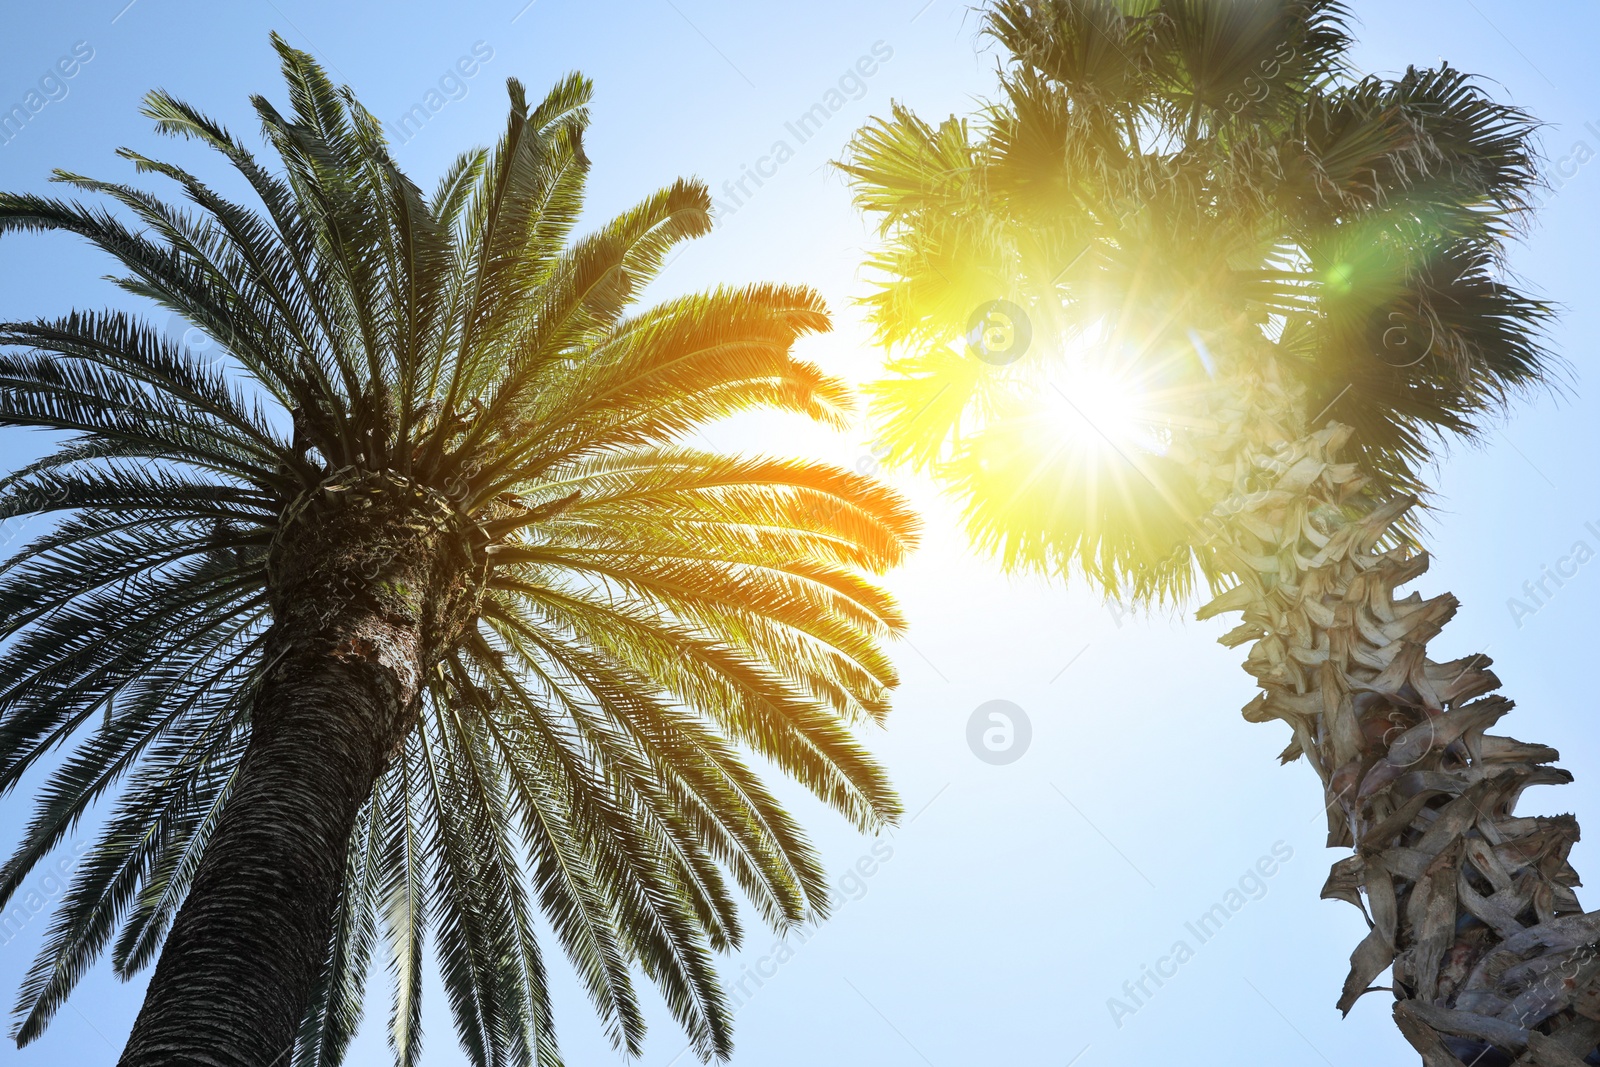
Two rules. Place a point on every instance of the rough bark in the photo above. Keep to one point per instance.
(1494, 961)
(368, 575)
(245, 950)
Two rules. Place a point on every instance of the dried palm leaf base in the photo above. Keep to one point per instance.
(1472, 906)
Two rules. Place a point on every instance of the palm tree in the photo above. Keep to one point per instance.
(1189, 306)
(418, 613)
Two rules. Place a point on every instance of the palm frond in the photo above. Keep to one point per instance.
(641, 619)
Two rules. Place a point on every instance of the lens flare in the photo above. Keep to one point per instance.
(1092, 399)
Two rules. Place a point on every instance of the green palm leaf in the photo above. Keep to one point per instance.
(605, 624)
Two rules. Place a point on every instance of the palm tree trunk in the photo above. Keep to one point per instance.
(1494, 961)
(247, 947)
(369, 576)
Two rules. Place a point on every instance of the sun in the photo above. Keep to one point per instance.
(1090, 396)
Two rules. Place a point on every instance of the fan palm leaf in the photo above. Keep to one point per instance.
(1190, 308)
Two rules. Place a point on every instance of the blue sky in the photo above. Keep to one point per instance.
(995, 925)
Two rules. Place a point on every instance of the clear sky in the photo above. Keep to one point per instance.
(995, 925)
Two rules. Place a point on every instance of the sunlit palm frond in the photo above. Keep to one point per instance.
(1161, 188)
(653, 617)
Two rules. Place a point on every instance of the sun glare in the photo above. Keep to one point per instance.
(1091, 399)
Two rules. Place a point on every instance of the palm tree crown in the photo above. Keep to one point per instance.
(1191, 305)
(1172, 190)
(445, 409)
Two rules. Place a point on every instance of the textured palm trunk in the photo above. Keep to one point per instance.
(246, 949)
(368, 576)
(1494, 960)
